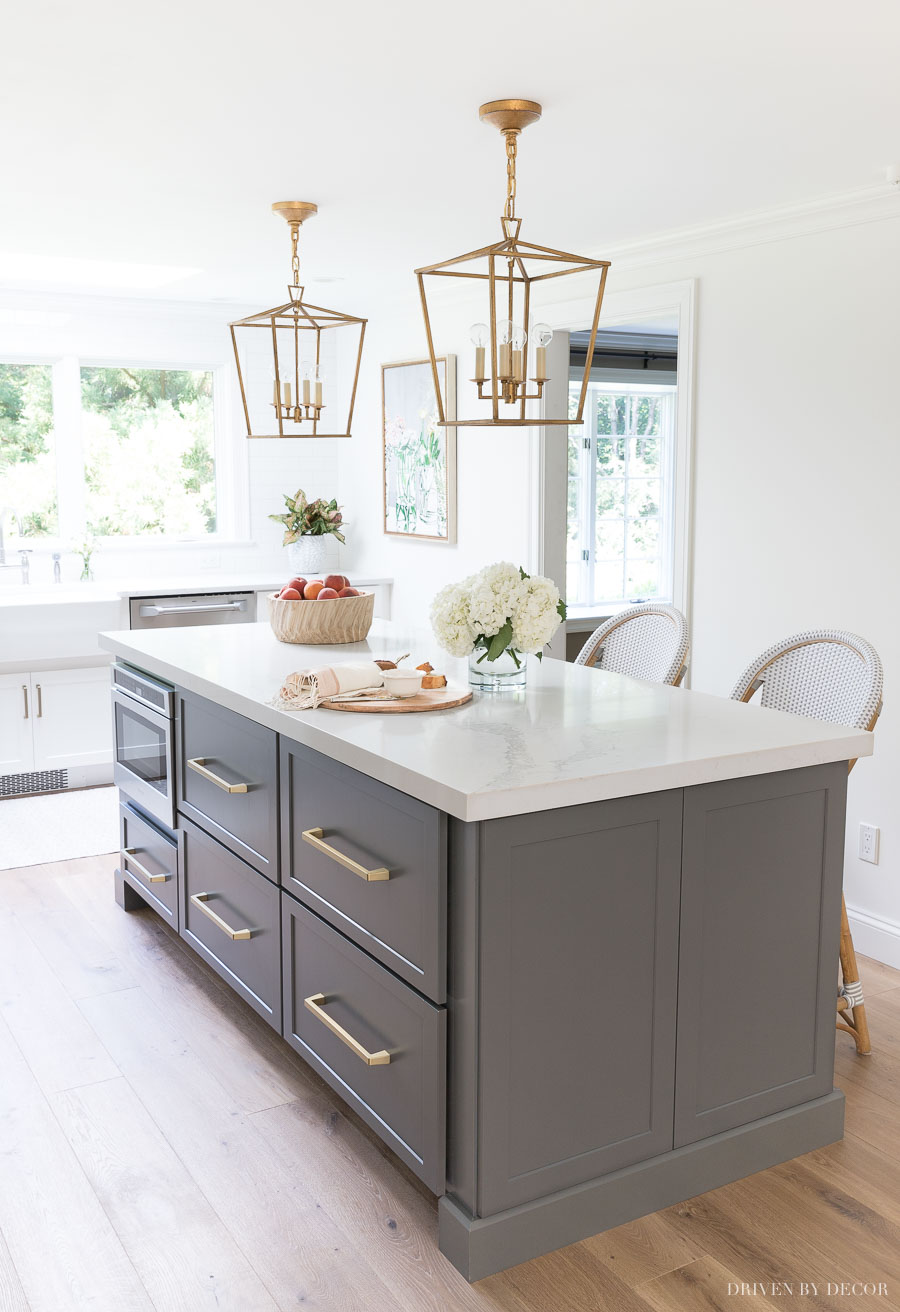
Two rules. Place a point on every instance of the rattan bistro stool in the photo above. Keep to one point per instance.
(827, 674)
(646, 642)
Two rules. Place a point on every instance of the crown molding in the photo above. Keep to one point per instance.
(780, 223)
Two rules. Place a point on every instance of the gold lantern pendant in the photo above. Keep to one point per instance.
(510, 352)
(282, 370)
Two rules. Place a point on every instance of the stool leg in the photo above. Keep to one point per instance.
(855, 1024)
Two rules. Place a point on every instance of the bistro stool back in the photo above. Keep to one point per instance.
(827, 674)
(646, 642)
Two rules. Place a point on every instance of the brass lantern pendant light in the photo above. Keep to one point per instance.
(511, 348)
(298, 364)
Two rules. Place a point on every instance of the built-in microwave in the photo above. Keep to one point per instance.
(144, 737)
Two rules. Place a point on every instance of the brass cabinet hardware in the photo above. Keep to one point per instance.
(315, 839)
(128, 857)
(40, 701)
(199, 764)
(25, 695)
(199, 901)
(316, 1003)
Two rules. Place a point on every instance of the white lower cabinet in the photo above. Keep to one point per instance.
(16, 748)
(56, 720)
(72, 723)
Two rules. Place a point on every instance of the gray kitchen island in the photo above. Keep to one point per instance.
(570, 952)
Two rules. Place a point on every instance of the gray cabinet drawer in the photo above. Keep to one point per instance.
(402, 1098)
(222, 897)
(148, 861)
(401, 918)
(228, 779)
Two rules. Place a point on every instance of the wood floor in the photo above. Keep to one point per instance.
(160, 1147)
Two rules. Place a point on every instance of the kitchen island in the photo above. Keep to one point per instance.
(570, 952)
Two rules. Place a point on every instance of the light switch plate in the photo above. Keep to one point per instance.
(868, 843)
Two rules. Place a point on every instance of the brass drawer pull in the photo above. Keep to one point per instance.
(316, 1004)
(199, 901)
(314, 838)
(199, 764)
(128, 858)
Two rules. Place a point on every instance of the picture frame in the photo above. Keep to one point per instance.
(418, 456)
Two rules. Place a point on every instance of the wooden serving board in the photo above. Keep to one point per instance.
(431, 699)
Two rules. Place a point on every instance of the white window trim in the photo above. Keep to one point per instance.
(230, 455)
(549, 455)
(588, 478)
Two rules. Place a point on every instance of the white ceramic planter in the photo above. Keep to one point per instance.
(306, 556)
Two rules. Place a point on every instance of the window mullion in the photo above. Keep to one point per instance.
(69, 448)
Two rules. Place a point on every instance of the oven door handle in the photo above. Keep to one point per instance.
(146, 611)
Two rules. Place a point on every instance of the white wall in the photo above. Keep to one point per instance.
(108, 330)
(796, 476)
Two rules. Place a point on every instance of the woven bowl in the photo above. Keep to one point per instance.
(320, 623)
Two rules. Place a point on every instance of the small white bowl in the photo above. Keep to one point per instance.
(403, 683)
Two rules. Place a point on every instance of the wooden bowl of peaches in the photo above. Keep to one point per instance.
(321, 611)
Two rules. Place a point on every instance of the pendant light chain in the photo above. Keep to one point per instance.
(511, 148)
(295, 258)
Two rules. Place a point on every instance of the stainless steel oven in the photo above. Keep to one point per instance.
(144, 736)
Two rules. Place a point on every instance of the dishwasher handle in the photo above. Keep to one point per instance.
(146, 611)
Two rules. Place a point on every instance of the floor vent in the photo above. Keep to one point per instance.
(36, 781)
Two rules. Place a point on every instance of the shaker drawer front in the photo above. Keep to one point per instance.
(148, 861)
(230, 915)
(369, 859)
(228, 779)
(372, 1038)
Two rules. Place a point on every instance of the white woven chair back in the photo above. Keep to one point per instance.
(827, 674)
(646, 642)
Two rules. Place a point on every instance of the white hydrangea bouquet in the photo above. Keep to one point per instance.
(496, 617)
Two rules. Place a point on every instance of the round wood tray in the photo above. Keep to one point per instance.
(432, 699)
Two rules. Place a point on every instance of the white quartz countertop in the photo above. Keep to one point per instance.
(72, 592)
(575, 735)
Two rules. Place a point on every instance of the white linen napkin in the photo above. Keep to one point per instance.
(306, 689)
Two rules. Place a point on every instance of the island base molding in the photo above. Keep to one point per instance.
(482, 1246)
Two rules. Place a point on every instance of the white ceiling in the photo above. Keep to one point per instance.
(160, 134)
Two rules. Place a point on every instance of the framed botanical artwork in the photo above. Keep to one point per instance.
(419, 457)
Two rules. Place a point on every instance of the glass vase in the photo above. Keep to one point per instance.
(506, 673)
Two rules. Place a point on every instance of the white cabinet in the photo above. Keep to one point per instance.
(16, 754)
(72, 722)
(57, 720)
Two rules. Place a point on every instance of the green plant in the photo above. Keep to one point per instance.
(310, 518)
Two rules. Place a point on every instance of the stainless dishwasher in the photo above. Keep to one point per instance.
(193, 608)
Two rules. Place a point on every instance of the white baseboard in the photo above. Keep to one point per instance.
(874, 937)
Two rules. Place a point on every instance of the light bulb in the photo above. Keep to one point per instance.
(541, 335)
(505, 329)
(518, 337)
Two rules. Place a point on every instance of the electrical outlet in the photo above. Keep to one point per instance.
(868, 843)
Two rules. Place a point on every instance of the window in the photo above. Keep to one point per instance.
(147, 440)
(620, 522)
(27, 447)
(108, 451)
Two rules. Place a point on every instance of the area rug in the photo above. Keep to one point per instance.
(58, 826)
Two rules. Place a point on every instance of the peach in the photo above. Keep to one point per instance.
(312, 590)
(289, 594)
(327, 594)
(337, 581)
(297, 583)
(349, 592)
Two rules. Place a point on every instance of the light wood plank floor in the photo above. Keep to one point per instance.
(160, 1147)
